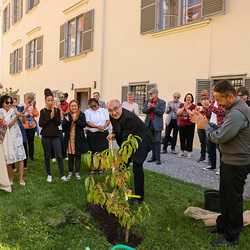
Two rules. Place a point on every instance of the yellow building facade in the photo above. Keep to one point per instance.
(112, 46)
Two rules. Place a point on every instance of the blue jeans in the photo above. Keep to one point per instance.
(212, 150)
(204, 144)
(156, 149)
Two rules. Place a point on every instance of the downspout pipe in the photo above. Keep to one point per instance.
(101, 51)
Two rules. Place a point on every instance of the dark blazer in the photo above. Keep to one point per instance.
(129, 123)
(158, 111)
(81, 144)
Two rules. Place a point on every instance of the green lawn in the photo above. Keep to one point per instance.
(24, 213)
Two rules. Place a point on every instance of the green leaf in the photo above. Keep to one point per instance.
(87, 183)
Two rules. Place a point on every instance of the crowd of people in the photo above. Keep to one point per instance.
(67, 133)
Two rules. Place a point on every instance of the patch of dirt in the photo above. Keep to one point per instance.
(111, 228)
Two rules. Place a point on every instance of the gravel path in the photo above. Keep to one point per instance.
(189, 170)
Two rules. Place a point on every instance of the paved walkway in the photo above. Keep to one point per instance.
(189, 170)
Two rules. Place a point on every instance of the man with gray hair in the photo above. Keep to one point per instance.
(125, 123)
(234, 139)
(154, 109)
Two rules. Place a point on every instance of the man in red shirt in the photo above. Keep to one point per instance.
(64, 105)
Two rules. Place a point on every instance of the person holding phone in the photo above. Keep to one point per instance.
(50, 119)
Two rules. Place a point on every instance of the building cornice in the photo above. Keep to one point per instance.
(16, 43)
(186, 27)
(32, 32)
(75, 7)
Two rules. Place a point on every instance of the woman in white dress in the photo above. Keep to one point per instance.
(13, 141)
(4, 179)
(130, 104)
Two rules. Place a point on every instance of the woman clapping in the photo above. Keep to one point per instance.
(75, 141)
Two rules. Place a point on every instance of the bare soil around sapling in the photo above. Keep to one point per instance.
(111, 228)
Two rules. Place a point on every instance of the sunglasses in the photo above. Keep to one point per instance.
(93, 106)
(8, 102)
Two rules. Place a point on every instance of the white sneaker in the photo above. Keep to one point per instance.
(78, 177)
(218, 173)
(204, 161)
(173, 151)
(180, 155)
(189, 156)
(49, 178)
(54, 159)
(66, 159)
(69, 175)
(64, 178)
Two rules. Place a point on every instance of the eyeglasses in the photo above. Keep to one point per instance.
(93, 106)
(115, 109)
(8, 102)
(221, 98)
(61, 97)
(176, 97)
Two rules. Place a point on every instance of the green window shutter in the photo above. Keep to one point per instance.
(20, 59)
(148, 16)
(11, 62)
(150, 86)
(62, 42)
(88, 28)
(125, 90)
(27, 56)
(247, 83)
(39, 52)
(212, 7)
(203, 84)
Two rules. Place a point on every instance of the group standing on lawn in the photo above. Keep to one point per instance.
(223, 124)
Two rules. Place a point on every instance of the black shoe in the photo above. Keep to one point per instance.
(136, 201)
(164, 151)
(212, 230)
(151, 160)
(209, 168)
(224, 242)
(158, 162)
(32, 159)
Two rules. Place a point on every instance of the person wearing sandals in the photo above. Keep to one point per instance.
(75, 141)
(97, 121)
(50, 119)
(13, 141)
(4, 179)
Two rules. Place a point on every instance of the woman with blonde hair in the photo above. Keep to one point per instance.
(130, 104)
(75, 141)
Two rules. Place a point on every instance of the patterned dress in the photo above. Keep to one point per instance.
(71, 144)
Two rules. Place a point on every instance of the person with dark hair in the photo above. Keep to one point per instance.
(4, 178)
(50, 119)
(64, 105)
(125, 123)
(102, 104)
(243, 93)
(186, 127)
(234, 138)
(13, 142)
(154, 109)
(75, 142)
(97, 121)
(31, 126)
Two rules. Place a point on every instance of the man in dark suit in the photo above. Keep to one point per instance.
(155, 108)
(124, 123)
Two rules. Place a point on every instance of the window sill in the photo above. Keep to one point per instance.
(31, 10)
(186, 27)
(6, 32)
(33, 69)
(73, 58)
(16, 74)
(16, 23)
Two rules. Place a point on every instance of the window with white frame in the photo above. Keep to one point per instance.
(34, 53)
(140, 91)
(165, 14)
(76, 36)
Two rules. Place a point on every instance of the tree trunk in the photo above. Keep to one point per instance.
(127, 234)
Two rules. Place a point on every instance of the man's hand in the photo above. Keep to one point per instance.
(111, 137)
(150, 105)
(101, 128)
(199, 119)
(205, 104)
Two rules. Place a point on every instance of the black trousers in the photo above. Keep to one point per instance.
(171, 126)
(138, 178)
(55, 143)
(232, 181)
(30, 133)
(77, 162)
(187, 137)
(64, 155)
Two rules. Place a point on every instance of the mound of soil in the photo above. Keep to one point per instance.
(111, 228)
